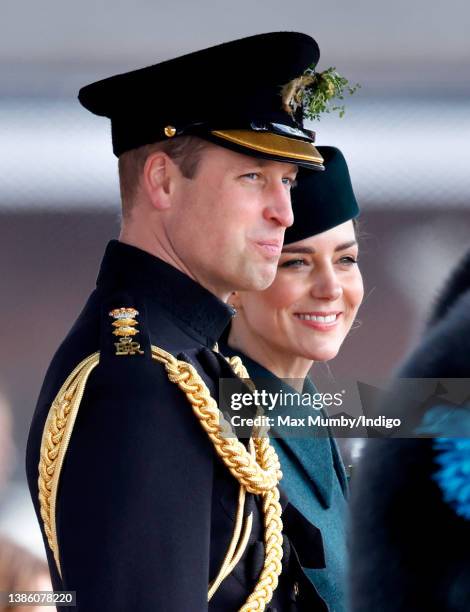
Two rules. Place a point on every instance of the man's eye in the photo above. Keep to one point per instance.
(252, 175)
(289, 181)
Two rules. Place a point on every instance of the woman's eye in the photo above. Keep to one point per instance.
(293, 263)
(348, 260)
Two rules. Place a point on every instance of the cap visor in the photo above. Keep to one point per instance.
(273, 146)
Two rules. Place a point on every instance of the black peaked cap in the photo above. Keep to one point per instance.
(322, 200)
(229, 94)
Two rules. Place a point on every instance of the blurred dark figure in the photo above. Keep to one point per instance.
(410, 525)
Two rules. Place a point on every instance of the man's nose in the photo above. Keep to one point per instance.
(326, 285)
(279, 207)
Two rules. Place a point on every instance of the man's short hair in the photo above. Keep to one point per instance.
(185, 151)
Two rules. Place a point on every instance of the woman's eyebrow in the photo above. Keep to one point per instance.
(307, 250)
(345, 245)
(310, 250)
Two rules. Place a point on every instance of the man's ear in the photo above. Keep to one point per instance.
(157, 179)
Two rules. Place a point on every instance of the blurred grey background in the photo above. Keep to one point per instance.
(405, 135)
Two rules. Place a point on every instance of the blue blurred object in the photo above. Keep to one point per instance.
(452, 453)
(453, 476)
(451, 421)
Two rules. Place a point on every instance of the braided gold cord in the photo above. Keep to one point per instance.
(238, 367)
(272, 568)
(55, 440)
(258, 472)
(257, 475)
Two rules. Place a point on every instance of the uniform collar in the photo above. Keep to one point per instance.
(127, 267)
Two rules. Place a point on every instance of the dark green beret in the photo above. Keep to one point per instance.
(322, 200)
(229, 94)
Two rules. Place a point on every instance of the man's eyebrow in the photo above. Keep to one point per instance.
(310, 250)
(258, 161)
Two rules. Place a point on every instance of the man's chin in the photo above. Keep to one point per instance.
(260, 277)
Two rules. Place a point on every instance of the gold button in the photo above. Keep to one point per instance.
(170, 131)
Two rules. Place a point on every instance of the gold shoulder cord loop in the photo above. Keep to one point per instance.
(237, 545)
(258, 472)
(257, 469)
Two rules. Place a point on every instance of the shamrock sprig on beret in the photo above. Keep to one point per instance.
(313, 93)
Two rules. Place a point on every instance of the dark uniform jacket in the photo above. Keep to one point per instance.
(145, 508)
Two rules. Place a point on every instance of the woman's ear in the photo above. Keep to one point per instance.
(234, 300)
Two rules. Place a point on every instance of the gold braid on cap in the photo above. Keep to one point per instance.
(257, 469)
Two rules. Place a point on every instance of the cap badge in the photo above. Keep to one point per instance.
(125, 329)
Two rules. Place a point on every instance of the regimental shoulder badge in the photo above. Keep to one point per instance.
(125, 328)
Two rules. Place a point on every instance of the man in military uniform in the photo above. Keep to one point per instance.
(143, 503)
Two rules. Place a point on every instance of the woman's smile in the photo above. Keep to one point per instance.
(320, 321)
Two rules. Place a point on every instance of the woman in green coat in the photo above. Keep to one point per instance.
(302, 318)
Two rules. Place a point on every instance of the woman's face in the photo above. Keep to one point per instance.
(314, 299)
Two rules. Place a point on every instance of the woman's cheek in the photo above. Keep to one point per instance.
(355, 293)
(285, 293)
(274, 297)
(360, 290)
